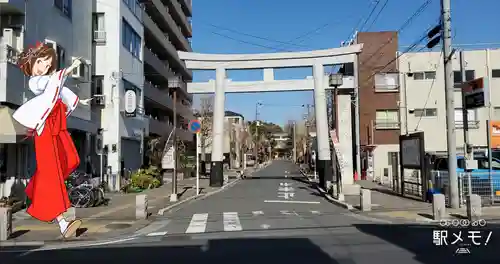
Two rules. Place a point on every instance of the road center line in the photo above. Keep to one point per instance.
(291, 202)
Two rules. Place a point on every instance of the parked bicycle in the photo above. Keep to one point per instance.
(85, 191)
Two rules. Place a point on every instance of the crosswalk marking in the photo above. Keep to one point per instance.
(231, 221)
(198, 224)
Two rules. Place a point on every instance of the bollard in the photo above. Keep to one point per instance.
(141, 207)
(70, 214)
(365, 200)
(474, 211)
(438, 206)
(5, 223)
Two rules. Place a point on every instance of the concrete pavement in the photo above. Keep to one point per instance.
(272, 199)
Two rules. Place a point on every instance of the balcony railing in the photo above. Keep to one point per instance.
(386, 124)
(99, 36)
(9, 54)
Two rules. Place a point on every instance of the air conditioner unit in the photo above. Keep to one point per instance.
(52, 44)
(80, 72)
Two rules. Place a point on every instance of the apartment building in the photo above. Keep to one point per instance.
(379, 125)
(65, 25)
(422, 98)
(135, 44)
(167, 29)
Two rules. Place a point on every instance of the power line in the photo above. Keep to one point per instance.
(254, 36)
(428, 94)
(248, 42)
(369, 15)
(408, 21)
(378, 14)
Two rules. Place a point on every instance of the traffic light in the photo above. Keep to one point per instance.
(434, 36)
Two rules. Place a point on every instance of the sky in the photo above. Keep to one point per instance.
(227, 26)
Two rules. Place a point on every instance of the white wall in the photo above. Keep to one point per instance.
(418, 91)
(113, 62)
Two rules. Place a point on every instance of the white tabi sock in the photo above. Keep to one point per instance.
(63, 224)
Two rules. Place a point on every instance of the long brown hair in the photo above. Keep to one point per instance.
(28, 57)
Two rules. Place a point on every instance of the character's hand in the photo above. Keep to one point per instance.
(77, 62)
(86, 101)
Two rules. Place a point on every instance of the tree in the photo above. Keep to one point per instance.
(205, 116)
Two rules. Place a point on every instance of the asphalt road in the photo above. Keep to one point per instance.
(258, 220)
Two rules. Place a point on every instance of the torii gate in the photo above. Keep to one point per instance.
(268, 62)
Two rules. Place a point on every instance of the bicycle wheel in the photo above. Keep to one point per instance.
(81, 197)
(98, 196)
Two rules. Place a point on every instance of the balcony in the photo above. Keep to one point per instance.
(187, 7)
(184, 135)
(386, 124)
(185, 24)
(99, 37)
(386, 82)
(12, 7)
(158, 96)
(158, 127)
(11, 78)
(185, 111)
(156, 63)
(159, 14)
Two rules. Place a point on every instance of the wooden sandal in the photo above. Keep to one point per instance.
(72, 228)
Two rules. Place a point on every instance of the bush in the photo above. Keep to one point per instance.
(146, 178)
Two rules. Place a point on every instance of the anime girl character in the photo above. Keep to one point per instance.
(45, 117)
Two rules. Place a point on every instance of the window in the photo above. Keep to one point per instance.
(135, 7)
(97, 84)
(386, 82)
(98, 27)
(483, 164)
(387, 119)
(457, 77)
(65, 6)
(131, 41)
(471, 118)
(425, 112)
(61, 57)
(495, 73)
(428, 75)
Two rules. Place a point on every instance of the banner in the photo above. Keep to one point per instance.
(495, 134)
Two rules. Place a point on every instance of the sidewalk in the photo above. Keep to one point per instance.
(115, 219)
(388, 205)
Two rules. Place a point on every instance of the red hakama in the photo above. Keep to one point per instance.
(56, 158)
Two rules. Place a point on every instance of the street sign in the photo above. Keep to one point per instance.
(168, 160)
(475, 94)
(195, 126)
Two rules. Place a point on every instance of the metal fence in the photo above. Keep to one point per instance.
(484, 184)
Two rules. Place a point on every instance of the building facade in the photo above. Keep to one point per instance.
(422, 98)
(378, 100)
(136, 49)
(65, 25)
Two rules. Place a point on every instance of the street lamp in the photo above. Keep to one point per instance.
(335, 80)
(257, 123)
(174, 83)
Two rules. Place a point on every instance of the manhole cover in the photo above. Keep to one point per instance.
(118, 226)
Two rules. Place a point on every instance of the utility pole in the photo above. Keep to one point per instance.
(257, 138)
(450, 103)
(294, 142)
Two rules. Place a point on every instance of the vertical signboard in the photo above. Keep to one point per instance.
(130, 103)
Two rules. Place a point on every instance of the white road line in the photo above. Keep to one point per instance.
(285, 184)
(157, 234)
(315, 212)
(231, 221)
(257, 213)
(198, 224)
(284, 212)
(291, 202)
(153, 227)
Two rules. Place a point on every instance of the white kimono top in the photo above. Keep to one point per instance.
(47, 90)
